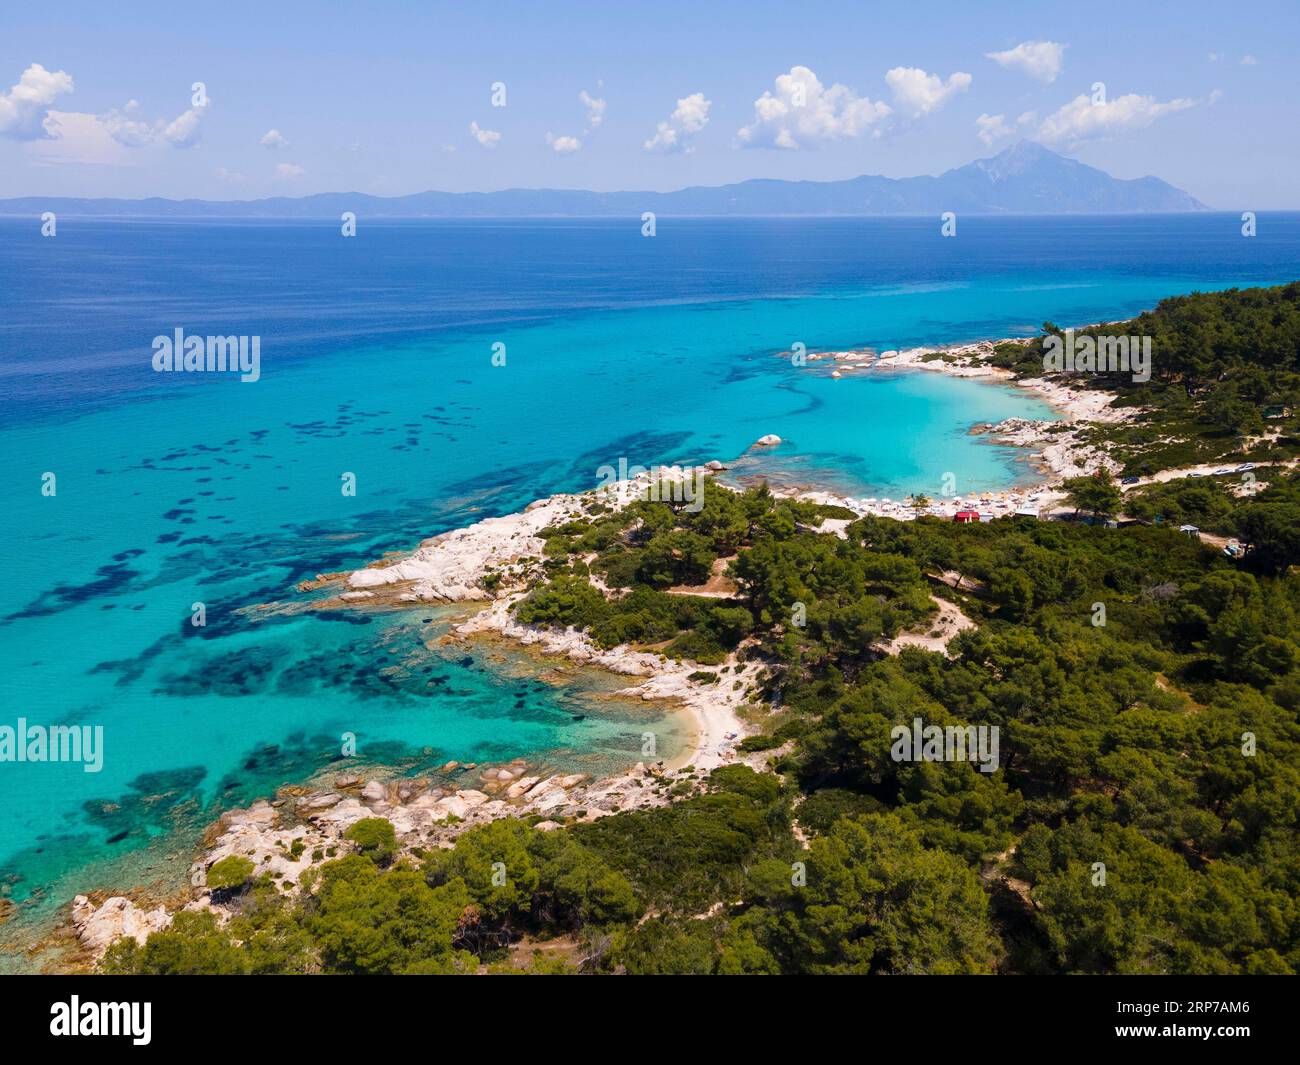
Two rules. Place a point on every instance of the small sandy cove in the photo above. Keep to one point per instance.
(452, 568)
(1052, 445)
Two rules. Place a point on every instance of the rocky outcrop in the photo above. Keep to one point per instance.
(98, 927)
(285, 840)
(496, 555)
(304, 827)
(452, 567)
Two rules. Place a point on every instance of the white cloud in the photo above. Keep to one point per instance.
(992, 127)
(24, 108)
(1081, 119)
(1249, 61)
(1215, 96)
(131, 132)
(100, 139)
(919, 93)
(675, 135)
(595, 109)
(1215, 56)
(77, 139)
(802, 113)
(273, 139)
(563, 145)
(183, 131)
(289, 170)
(486, 137)
(1026, 118)
(1038, 59)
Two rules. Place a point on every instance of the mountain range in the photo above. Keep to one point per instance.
(1024, 179)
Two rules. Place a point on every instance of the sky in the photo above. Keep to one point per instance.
(392, 98)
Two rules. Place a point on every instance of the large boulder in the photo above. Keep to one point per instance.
(99, 927)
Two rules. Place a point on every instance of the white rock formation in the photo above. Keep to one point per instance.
(97, 928)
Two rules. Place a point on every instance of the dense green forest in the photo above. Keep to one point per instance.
(1144, 817)
(1225, 369)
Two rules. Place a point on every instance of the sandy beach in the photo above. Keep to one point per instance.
(1053, 445)
(713, 707)
(453, 568)
(967, 360)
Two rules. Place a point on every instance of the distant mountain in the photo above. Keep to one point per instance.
(1025, 179)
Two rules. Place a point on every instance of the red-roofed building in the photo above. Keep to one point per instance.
(966, 517)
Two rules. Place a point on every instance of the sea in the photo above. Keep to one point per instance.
(413, 378)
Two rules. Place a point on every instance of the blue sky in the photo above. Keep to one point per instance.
(96, 100)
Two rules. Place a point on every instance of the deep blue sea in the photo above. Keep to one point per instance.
(376, 361)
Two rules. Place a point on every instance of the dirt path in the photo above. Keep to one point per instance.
(718, 586)
(937, 634)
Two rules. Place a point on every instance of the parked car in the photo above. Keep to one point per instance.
(1130, 480)
(1245, 467)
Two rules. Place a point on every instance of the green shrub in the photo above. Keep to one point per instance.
(375, 838)
(229, 873)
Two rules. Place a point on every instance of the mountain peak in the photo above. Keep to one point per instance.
(1020, 157)
(1025, 148)
(1028, 178)
(1025, 178)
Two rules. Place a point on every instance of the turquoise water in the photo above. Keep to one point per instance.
(174, 490)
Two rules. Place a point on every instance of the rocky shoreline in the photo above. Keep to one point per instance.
(1054, 446)
(304, 827)
(489, 565)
